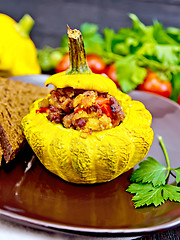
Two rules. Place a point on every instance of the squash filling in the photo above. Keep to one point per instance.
(82, 110)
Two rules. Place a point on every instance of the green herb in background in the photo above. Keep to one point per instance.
(144, 47)
(93, 40)
(132, 50)
(49, 58)
(150, 179)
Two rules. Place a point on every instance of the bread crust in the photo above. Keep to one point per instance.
(15, 100)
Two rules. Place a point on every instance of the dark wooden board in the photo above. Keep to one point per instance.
(52, 16)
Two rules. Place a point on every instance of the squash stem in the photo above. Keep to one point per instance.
(78, 61)
(24, 26)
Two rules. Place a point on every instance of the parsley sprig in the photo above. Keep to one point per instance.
(150, 182)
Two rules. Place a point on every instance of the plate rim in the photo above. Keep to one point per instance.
(74, 229)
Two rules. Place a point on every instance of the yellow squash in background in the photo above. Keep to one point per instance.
(102, 155)
(18, 54)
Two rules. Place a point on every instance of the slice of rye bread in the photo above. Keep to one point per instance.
(15, 100)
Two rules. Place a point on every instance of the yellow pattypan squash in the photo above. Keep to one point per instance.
(18, 54)
(102, 155)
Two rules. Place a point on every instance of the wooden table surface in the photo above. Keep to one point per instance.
(52, 16)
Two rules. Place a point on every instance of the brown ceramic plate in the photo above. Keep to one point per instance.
(32, 195)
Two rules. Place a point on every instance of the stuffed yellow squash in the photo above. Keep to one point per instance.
(86, 130)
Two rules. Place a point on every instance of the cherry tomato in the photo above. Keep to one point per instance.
(63, 65)
(111, 73)
(178, 99)
(152, 83)
(95, 63)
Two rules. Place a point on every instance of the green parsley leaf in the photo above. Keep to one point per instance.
(108, 39)
(174, 33)
(89, 29)
(171, 192)
(177, 170)
(167, 54)
(145, 32)
(146, 194)
(64, 42)
(93, 40)
(126, 42)
(129, 74)
(176, 86)
(161, 36)
(151, 178)
(150, 170)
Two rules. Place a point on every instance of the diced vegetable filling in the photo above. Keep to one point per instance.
(82, 110)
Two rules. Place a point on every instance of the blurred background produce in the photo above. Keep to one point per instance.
(18, 55)
(142, 57)
(137, 51)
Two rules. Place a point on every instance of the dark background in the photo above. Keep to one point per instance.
(52, 16)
